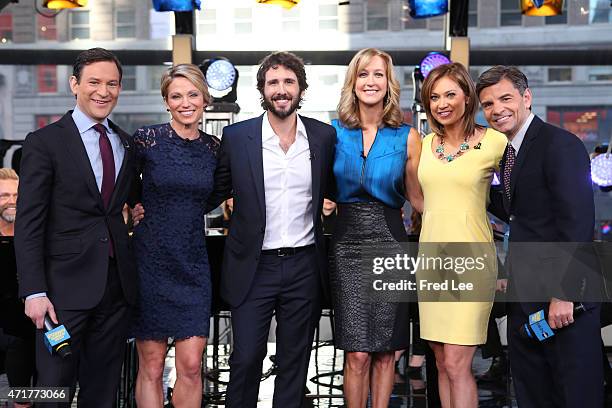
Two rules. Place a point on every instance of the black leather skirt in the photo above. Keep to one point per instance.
(363, 324)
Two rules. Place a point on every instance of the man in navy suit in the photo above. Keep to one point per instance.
(277, 168)
(73, 253)
(547, 197)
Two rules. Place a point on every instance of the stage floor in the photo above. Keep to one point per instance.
(325, 382)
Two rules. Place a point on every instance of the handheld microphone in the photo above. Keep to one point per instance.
(537, 328)
(57, 338)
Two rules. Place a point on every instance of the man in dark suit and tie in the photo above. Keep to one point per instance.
(277, 168)
(548, 198)
(73, 256)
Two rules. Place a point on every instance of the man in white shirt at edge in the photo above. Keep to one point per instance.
(277, 167)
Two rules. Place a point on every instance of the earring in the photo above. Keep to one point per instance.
(167, 110)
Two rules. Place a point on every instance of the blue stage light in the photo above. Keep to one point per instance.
(176, 5)
(432, 60)
(427, 8)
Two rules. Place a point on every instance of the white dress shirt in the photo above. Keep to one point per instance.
(91, 139)
(517, 140)
(288, 189)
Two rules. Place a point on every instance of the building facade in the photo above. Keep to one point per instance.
(576, 97)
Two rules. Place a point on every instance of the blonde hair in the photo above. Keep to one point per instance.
(348, 107)
(8, 174)
(191, 73)
(461, 76)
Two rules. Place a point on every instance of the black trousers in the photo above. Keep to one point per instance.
(289, 287)
(565, 371)
(98, 339)
(493, 346)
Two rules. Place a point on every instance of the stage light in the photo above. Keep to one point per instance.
(601, 170)
(64, 4)
(221, 76)
(432, 60)
(176, 5)
(427, 8)
(541, 7)
(283, 3)
(605, 229)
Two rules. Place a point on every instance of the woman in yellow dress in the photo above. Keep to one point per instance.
(457, 163)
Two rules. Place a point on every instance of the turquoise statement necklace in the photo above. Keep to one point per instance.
(463, 147)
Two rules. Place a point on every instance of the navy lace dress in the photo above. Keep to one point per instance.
(169, 243)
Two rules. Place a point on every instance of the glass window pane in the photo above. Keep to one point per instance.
(128, 84)
(129, 70)
(328, 24)
(243, 28)
(126, 32)
(377, 23)
(80, 33)
(155, 74)
(328, 10)
(560, 19)
(79, 17)
(291, 26)
(242, 13)
(559, 74)
(511, 19)
(125, 16)
(472, 20)
(600, 74)
(377, 7)
(509, 5)
(600, 11)
(207, 15)
(207, 28)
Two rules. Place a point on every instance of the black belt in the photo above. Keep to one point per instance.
(286, 251)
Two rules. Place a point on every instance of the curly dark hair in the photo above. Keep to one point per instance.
(94, 55)
(287, 60)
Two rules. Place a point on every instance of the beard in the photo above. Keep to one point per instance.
(6, 216)
(268, 104)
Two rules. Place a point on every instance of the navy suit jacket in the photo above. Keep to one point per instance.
(239, 174)
(62, 228)
(551, 200)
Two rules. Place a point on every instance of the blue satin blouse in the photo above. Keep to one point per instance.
(380, 175)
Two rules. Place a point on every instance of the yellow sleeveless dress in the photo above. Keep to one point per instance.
(456, 196)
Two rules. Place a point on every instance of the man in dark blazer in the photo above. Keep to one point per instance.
(548, 198)
(73, 257)
(277, 168)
